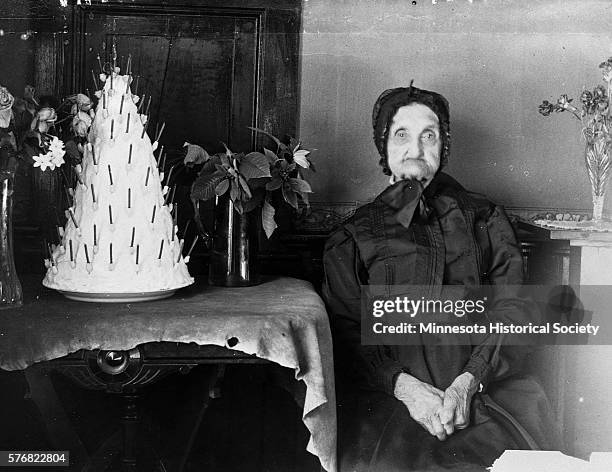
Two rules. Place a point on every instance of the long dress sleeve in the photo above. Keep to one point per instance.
(495, 358)
(371, 367)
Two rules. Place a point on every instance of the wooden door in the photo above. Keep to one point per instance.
(199, 70)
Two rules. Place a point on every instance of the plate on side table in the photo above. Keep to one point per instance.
(126, 297)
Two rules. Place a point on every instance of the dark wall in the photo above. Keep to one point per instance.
(34, 40)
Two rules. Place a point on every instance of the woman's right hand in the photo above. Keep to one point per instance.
(423, 402)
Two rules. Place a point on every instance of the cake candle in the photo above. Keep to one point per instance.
(111, 74)
(93, 155)
(93, 195)
(104, 100)
(130, 155)
(95, 237)
(163, 162)
(127, 84)
(110, 174)
(148, 105)
(160, 131)
(110, 214)
(170, 174)
(144, 129)
(73, 218)
(186, 228)
(50, 253)
(129, 198)
(127, 126)
(100, 64)
(86, 254)
(68, 194)
(136, 85)
(161, 153)
(188, 256)
(121, 106)
(70, 245)
(161, 249)
(133, 235)
(137, 253)
(129, 64)
(180, 252)
(110, 253)
(171, 194)
(78, 175)
(174, 215)
(112, 128)
(147, 178)
(140, 104)
(153, 215)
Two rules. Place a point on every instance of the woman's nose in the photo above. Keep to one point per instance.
(414, 149)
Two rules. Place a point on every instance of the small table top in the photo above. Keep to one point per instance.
(282, 320)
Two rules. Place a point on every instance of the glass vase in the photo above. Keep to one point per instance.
(10, 288)
(598, 164)
(234, 246)
(48, 204)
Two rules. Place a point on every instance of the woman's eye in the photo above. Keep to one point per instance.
(428, 136)
(401, 134)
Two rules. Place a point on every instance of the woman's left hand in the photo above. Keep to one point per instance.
(455, 411)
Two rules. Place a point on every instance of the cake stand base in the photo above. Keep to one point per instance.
(118, 297)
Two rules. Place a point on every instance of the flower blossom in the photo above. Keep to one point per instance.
(81, 123)
(606, 67)
(43, 161)
(299, 156)
(546, 108)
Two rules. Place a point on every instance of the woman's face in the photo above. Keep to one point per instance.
(414, 143)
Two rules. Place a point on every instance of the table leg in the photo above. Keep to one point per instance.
(59, 428)
(213, 392)
(129, 421)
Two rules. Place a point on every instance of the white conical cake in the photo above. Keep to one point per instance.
(120, 236)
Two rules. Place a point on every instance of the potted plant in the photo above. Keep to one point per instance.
(241, 183)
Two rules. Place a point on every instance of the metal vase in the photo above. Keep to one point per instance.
(233, 256)
(10, 288)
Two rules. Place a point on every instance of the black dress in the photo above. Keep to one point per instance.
(446, 236)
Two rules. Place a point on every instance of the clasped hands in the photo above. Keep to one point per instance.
(439, 412)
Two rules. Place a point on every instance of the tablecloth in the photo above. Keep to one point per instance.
(282, 320)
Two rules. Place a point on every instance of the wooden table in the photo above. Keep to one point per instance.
(121, 348)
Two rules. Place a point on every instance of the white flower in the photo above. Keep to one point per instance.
(299, 157)
(43, 161)
(56, 148)
(57, 160)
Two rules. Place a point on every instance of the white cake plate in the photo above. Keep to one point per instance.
(118, 297)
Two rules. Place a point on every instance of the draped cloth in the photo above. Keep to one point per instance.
(282, 320)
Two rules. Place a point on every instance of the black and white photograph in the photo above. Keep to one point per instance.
(306, 235)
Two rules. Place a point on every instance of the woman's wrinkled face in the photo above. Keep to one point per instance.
(414, 144)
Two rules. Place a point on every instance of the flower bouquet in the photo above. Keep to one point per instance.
(595, 116)
(241, 183)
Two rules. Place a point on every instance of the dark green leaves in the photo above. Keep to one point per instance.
(252, 178)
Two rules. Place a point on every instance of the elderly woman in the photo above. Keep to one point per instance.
(427, 407)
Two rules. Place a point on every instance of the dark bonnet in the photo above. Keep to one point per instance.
(386, 107)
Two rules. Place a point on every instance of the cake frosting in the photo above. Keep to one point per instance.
(120, 236)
